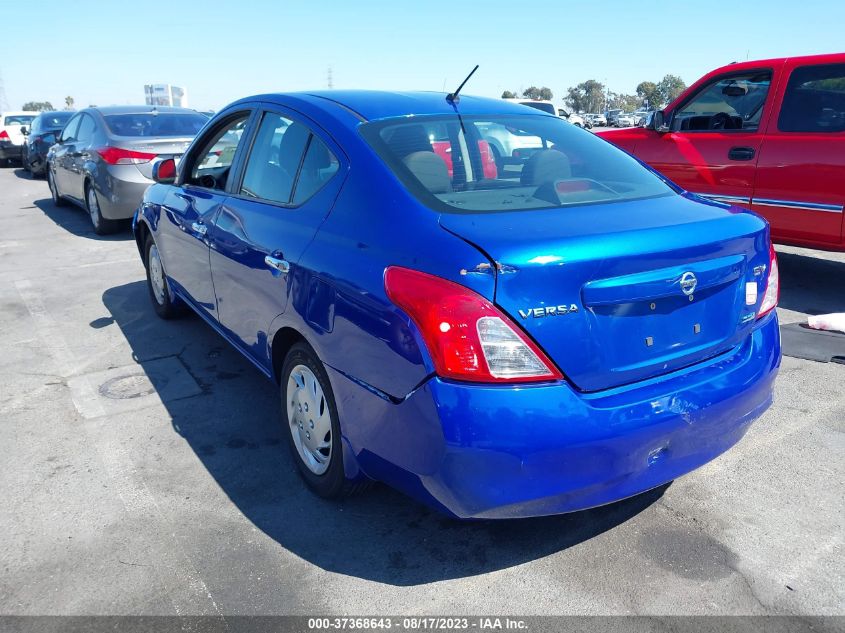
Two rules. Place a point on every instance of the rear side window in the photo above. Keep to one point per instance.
(69, 132)
(728, 103)
(287, 164)
(156, 124)
(86, 130)
(507, 163)
(814, 100)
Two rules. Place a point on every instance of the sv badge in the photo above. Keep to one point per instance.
(539, 313)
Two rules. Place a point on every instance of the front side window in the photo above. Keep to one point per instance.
(728, 103)
(814, 100)
(287, 163)
(507, 163)
(211, 165)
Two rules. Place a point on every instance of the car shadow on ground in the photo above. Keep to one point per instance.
(381, 535)
(810, 284)
(74, 219)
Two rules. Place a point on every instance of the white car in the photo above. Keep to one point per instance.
(626, 119)
(11, 139)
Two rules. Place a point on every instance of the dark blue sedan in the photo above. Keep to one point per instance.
(470, 300)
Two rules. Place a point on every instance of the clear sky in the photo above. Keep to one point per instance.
(103, 52)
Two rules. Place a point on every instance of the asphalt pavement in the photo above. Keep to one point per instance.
(145, 472)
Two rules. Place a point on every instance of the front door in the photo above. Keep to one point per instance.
(801, 172)
(62, 158)
(714, 140)
(287, 189)
(191, 207)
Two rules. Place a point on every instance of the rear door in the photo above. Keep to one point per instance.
(289, 183)
(192, 205)
(714, 140)
(800, 185)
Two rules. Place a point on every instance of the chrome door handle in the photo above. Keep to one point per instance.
(279, 264)
(199, 227)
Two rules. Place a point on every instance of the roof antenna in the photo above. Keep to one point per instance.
(453, 97)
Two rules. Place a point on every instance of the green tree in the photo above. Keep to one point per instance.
(38, 106)
(648, 91)
(533, 92)
(68, 103)
(628, 103)
(586, 97)
(670, 87)
(507, 94)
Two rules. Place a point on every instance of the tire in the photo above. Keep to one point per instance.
(54, 192)
(102, 226)
(157, 285)
(309, 414)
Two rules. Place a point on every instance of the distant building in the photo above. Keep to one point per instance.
(166, 95)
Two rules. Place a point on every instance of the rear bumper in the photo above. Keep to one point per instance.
(10, 150)
(499, 452)
(121, 188)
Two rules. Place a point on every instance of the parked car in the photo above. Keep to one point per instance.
(611, 116)
(11, 139)
(641, 117)
(626, 119)
(598, 120)
(572, 332)
(102, 160)
(39, 138)
(767, 135)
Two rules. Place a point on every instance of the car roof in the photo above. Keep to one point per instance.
(830, 58)
(375, 104)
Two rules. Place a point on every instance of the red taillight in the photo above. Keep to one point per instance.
(467, 336)
(772, 294)
(4, 135)
(120, 156)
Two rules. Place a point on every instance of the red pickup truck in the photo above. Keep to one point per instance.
(768, 135)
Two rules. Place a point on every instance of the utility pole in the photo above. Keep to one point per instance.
(4, 105)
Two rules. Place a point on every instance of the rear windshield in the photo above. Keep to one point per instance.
(156, 124)
(18, 119)
(507, 163)
(55, 119)
(539, 105)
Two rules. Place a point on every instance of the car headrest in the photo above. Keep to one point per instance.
(430, 170)
(290, 148)
(407, 139)
(545, 165)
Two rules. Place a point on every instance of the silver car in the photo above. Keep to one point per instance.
(103, 158)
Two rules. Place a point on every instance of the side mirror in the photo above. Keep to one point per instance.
(164, 171)
(24, 130)
(657, 122)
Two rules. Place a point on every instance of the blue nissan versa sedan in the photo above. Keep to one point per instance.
(558, 332)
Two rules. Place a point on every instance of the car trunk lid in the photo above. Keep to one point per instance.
(627, 291)
(160, 147)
